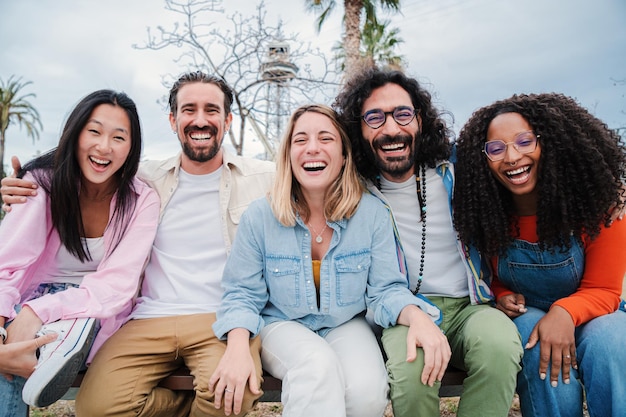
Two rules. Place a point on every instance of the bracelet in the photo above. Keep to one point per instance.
(3, 334)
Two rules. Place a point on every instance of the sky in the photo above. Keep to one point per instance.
(467, 53)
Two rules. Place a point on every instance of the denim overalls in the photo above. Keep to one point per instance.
(543, 277)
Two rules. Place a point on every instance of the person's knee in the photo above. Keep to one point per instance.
(367, 396)
(406, 376)
(408, 394)
(319, 366)
(204, 401)
(604, 336)
(364, 406)
(501, 351)
(493, 344)
(400, 371)
(95, 398)
(492, 329)
(527, 321)
(88, 405)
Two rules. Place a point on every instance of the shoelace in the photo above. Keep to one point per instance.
(44, 331)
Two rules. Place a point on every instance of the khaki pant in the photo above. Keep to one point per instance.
(123, 378)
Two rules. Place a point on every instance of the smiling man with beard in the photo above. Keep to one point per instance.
(401, 146)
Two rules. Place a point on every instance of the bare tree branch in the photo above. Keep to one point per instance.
(237, 49)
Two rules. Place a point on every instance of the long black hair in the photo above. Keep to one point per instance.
(580, 174)
(59, 174)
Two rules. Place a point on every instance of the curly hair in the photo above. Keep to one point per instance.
(580, 175)
(432, 143)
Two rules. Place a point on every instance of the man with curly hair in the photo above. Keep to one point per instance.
(537, 178)
(401, 146)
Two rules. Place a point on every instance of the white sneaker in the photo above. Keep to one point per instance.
(59, 361)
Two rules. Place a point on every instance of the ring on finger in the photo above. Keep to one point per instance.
(228, 390)
(567, 356)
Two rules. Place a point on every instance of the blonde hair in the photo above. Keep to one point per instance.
(342, 197)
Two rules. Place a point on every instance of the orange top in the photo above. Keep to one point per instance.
(601, 285)
(316, 278)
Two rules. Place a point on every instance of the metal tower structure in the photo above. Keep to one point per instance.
(277, 71)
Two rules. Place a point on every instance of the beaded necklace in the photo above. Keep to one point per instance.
(421, 196)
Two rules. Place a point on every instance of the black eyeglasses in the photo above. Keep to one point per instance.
(524, 142)
(403, 115)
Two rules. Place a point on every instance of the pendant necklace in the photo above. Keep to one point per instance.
(318, 238)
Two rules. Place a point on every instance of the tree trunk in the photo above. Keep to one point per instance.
(1, 155)
(352, 33)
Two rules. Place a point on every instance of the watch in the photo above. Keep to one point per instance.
(3, 334)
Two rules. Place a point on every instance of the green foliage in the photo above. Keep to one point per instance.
(270, 72)
(378, 45)
(353, 10)
(16, 109)
(324, 8)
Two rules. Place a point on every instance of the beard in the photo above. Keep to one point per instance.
(205, 154)
(395, 166)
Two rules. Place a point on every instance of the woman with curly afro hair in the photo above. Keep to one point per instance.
(536, 179)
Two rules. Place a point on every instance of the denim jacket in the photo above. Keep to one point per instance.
(478, 270)
(269, 276)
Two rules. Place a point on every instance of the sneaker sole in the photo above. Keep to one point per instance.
(62, 380)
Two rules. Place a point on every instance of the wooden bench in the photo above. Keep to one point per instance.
(181, 380)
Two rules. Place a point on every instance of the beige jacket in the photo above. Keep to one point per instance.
(243, 180)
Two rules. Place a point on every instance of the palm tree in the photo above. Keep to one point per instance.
(16, 109)
(351, 22)
(378, 43)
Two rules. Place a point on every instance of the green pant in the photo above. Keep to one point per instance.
(484, 343)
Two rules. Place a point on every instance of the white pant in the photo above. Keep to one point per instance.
(341, 375)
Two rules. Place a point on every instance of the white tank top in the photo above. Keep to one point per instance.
(69, 269)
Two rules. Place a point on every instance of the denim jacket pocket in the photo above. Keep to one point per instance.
(352, 271)
(282, 276)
